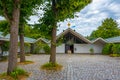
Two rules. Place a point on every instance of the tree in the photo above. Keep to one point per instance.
(109, 28)
(4, 27)
(59, 10)
(34, 29)
(10, 9)
(26, 10)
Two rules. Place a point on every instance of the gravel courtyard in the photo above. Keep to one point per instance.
(75, 67)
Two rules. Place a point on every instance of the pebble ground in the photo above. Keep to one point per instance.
(75, 67)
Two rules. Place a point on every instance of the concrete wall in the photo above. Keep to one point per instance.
(82, 48)
(98, 47)
(85, 48)
(60, 48)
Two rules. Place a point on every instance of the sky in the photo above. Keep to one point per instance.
(92, 16)
(89, 18)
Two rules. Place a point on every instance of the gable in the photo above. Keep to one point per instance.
(71, 35)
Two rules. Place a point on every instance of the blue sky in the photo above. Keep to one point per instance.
(90, 17)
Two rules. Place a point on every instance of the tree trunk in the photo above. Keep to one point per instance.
(53, 40)
(53, 46)
(12, 58)
(22, 53)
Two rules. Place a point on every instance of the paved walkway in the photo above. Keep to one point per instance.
(75, 67)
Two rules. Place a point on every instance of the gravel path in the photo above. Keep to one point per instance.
(75, 67)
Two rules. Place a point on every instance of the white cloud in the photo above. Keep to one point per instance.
(114, 7)
(92, 16)
(33, 19)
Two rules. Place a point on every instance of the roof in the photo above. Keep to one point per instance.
(100, 40)
(74, 33)
(3, 38)
(43, 39)
(113, 40)
(29, 40)
(7, 38)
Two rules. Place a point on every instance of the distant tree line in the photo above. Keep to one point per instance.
(109, 28)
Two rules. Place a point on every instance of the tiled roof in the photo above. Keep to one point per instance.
(7, 38)
(99, 39)
(44, 40)
(113, 40)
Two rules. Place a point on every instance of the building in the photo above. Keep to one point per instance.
(28, 42)
(76, 43)
(67, 41)
(71, 41)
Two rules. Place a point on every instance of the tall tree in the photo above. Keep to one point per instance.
(27, 9)
(59, 10)
(10, 9)
(109, 28)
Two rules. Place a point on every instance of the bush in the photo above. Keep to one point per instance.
(5, 46)
(91, 51)
(107, 49)
(39, 46)
(114, 48)
(111, 49)
(114, 55)
(51, 66)
(46, 49)
(18, 72)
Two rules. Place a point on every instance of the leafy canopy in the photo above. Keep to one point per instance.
(4, 27)
(109, 28)
(64, 9)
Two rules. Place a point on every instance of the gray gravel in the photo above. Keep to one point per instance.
(75, 67)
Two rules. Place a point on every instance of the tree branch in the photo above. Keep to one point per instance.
(5, 12)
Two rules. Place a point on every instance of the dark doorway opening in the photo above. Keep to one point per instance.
(69, 47)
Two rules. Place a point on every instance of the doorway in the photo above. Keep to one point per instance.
(69, 47)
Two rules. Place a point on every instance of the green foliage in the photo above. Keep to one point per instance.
(67, 8)
(63, 9)
(111, 49)
(4, 27)
(7, 8)
(109, 28)
(51, 66)
(17, 72)
(116, 48)
(91, 50)
(107, 49)
(5, 46)
(27, 9)
(47, 49)
(60, 41)
(30, 29)
(114, 55)
(39, 46)
(27, 47)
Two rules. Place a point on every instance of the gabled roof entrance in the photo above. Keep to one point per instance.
(70, 36)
